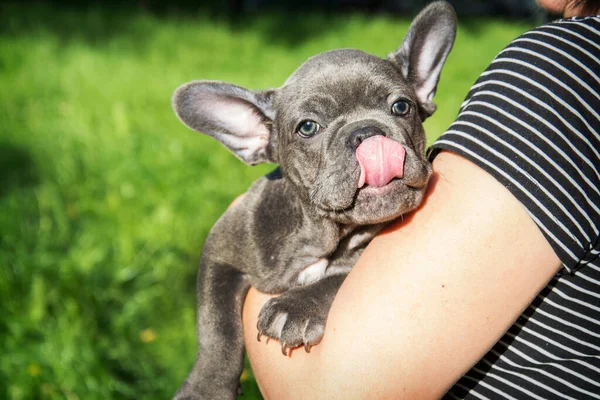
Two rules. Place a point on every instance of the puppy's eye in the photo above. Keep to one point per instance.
(401, 108)
(308, 128)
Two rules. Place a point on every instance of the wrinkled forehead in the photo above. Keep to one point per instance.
(351, 77)
(331, 61)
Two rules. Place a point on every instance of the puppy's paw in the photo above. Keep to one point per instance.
(293, 320)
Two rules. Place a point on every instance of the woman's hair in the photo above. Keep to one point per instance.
(589, 6)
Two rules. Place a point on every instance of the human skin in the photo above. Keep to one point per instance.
(426, 300)
(568, 8)
(554, 6)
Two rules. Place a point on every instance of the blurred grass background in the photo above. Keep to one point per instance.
(105, 198)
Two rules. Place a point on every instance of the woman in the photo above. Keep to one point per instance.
(496, 278)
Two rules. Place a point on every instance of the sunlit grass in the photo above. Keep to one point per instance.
(105, 198)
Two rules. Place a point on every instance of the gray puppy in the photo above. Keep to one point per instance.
(346, 130)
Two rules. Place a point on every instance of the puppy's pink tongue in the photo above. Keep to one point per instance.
(381, 160)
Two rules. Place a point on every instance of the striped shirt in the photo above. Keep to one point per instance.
(532, 120)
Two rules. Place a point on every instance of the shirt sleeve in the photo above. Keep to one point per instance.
(532, 121)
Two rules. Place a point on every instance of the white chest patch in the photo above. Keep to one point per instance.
(313, 272)
(359, 239)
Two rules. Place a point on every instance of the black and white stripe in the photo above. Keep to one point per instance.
(532, 120)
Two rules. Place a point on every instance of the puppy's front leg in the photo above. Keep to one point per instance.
(298, 316)
(220, 359)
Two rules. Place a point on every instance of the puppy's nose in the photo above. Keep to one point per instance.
(361, 134)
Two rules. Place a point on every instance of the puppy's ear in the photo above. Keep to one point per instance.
(239, 118)
(424, 50)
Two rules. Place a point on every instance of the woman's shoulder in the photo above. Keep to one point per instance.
(569, 28)
(562, 57)
(572, 39)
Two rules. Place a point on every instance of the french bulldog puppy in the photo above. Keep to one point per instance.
(346, 130)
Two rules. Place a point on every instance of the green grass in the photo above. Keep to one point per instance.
(105, 198)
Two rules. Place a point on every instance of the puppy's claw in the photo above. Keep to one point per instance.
(284, 349)
(307, 347)
(259, 335)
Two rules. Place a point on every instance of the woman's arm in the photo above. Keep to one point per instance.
(427, 299)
